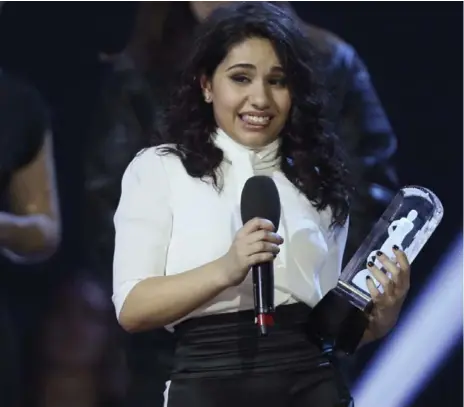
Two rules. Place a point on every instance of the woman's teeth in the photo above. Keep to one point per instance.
(257, 120)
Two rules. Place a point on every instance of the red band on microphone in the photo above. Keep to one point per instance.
(265, 319)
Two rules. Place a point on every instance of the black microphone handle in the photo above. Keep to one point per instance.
(263, 288)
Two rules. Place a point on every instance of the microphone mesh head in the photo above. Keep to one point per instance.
(260, 198)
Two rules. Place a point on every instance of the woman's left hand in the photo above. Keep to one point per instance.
(387, 305)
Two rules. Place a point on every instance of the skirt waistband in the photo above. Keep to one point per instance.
(229, 344)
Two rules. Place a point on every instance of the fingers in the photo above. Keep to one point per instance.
(381, 277)
(402, 259)
(263, 241)
(396, 287)
(257, 224)
(262, 246)
(399, 270)
(264, 235)
(404, 269)
(258, 241)
(373, 290)
(389, 266)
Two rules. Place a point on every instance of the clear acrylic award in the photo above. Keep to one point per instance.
(341, 317)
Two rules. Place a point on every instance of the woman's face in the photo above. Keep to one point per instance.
(249, 93)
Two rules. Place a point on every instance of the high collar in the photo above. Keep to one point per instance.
(262, 160)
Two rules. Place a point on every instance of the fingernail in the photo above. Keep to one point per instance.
(395, 247)
(370, 264)
(379, 253)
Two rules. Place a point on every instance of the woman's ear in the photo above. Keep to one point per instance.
(206, 88)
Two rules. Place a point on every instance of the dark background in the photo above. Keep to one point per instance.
(413, 52)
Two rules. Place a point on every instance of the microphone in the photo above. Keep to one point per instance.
(260, 198)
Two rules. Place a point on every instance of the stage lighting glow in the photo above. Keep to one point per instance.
(422, 339)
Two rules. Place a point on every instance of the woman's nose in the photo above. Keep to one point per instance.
(259, 97)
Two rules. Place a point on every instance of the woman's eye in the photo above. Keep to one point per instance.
(240, 79)
(278, 81)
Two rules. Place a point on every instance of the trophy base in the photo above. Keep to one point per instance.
(338, 321)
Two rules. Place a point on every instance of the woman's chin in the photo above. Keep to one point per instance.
(254, 138)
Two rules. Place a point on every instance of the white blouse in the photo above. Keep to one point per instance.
(168, 222)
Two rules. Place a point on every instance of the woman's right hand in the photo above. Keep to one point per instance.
(256, 242)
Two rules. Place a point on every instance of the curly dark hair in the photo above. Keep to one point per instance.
(312, 157)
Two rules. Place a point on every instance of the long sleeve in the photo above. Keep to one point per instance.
(143, 223)
(330, 272)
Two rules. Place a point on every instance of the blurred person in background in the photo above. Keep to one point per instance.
(29, 221)
(122, 123)
(79, 363)
(29, 217)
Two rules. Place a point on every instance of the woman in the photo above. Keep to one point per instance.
(245, 105)
(29, 219)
